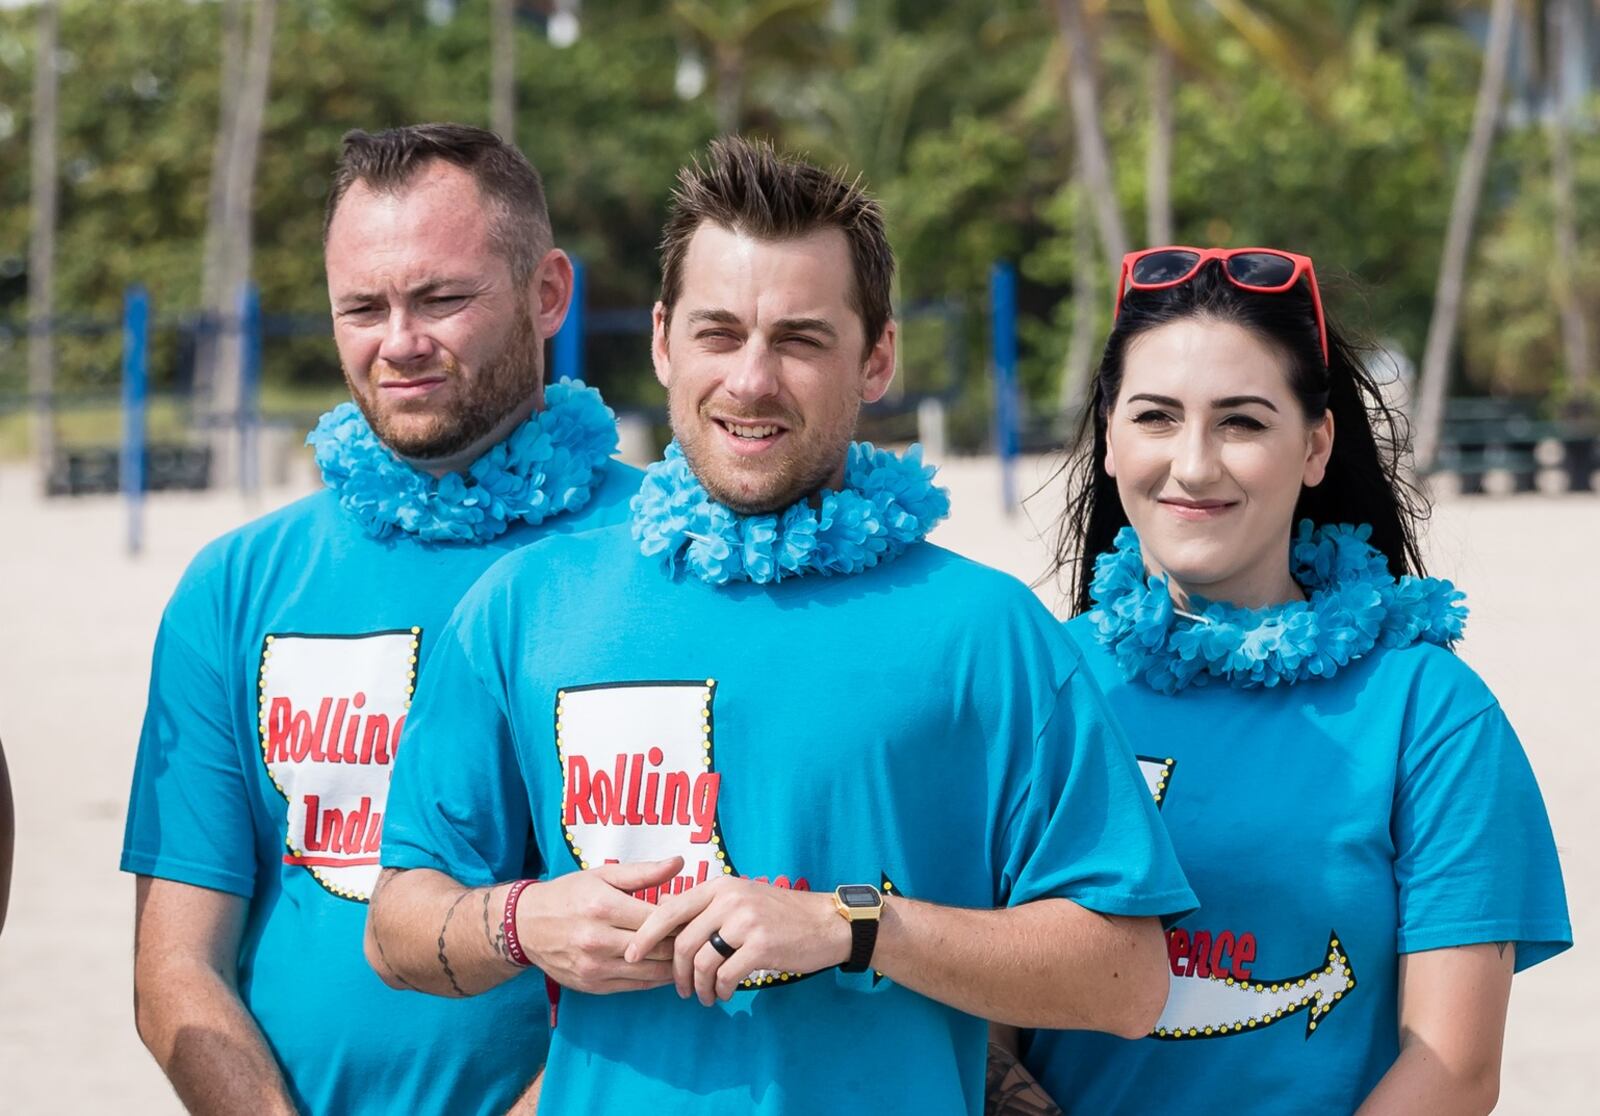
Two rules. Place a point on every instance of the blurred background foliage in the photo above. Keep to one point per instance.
(1332, 127)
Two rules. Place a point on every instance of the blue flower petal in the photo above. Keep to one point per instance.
(543, 468)
(888, 503)
(1354, 606)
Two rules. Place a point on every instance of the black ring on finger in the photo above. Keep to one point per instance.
(720, 944)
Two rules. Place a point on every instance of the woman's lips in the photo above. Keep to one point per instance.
(1197, 511)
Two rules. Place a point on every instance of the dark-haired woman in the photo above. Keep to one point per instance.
(7, 835)
(1370, 850)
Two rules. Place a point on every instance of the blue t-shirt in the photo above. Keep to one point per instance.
(1327, 827)
(922, 725)
(279, 693)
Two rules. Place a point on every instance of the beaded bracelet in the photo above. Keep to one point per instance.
(508, 925)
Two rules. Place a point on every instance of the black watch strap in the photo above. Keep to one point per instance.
(863, 938)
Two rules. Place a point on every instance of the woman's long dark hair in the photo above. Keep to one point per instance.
(1365, 481)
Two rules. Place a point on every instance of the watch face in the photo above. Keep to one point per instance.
(860, 896)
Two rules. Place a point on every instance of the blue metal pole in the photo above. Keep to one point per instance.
(1003, 341)
(135, 385)
(249, 387)
(566, 356)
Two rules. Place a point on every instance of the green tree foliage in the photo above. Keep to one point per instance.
(1332, 127)
(1509, 326)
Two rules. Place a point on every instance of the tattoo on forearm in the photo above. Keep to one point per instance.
(444, 960)
(1010, 1090)
(377, 937)
(1501, 946)
(495, 934)
(377, 940)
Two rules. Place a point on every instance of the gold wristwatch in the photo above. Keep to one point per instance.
(861, 905)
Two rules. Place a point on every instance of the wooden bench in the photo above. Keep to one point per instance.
(168, 466)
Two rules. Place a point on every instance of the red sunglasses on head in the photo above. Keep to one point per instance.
(1264, 270)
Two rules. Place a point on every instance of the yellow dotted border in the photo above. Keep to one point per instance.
(1167, 766)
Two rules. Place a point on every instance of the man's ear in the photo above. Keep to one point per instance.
(550, 292)
(1318, 451)
(660, 320)
(878, 371)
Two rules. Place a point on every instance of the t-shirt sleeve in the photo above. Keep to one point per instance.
(457, 799)
(1475, 860)
(1086, 828)
(189, 811)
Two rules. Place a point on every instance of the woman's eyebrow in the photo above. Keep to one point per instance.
(1241, 400)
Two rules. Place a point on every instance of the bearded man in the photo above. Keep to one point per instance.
(289, 655)
(850, 792)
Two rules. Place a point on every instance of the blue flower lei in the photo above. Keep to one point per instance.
(887, 504)
(1354, 606)
(544, 467)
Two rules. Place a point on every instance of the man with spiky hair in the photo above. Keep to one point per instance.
(288, 657)
(860, 791)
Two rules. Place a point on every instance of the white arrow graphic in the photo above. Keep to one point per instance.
(1220, 1006)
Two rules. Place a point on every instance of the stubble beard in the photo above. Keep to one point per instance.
(505, 382)
(802, 467)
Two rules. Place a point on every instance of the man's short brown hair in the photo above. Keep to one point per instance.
(747, 187)
(388, 161)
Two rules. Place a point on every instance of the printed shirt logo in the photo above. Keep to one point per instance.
(1225, 1002)
(639, 783)
(331, 712)
(1213, 993)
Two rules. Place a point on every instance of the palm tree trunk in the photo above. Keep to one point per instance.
(215, 251)
(1433, 381)
(503, 71)
(42, 240)
(243, 150)
(1564, 24)
(1158, 165)
(730, 88)
(1078, 367)
(1094, 158)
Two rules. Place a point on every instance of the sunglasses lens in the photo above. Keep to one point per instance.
(1261, 269)
(1164, 267)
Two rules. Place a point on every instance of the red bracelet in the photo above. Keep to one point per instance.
(508, 925)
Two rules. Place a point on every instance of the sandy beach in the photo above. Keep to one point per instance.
(77, 618)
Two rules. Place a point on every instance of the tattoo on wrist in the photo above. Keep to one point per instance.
(495, 934)
(444, 960)
(1010, 1090)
